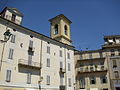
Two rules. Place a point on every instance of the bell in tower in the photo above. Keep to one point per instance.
(60, 29)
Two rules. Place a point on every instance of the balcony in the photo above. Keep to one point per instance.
(29, 64)
(93, 58)
(116, 81)
(62, 70)
(31, 50)
(62, 87)
(111, 45)
(94, 68)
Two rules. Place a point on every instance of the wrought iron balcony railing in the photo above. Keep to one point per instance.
(62, 70)
(94, 68)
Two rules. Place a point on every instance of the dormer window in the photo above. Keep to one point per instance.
(56, 29)
(13, 17)
(65, 30)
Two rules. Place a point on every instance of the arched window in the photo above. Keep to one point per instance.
(65, 30)
(56, 29)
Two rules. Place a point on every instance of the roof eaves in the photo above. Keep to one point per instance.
(38, 33)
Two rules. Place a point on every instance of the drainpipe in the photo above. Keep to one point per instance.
(2, 55)
(2, 41)
(40, 79)
(65, 69)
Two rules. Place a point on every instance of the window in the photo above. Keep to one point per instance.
(92, 80)
(112, 52)
(28, 78)
(101, 55)
(90, 55)
(10, 53)
(105, 89)
(117, 88)
(119, 52)
(69, 82)
(13, 38)
(60, 53)
(48, 49)
(31, 44)
(48, 80)
(68, 55)
(114, 63)
(116, 74)
(56, 29)
(81, 64)
(13, 17)
(8, 75)
(48, 62)
(81, 57)
(69, 67)
(82, 83)
(61, 79)
(29, 59)
(65, 30)
(61, 64)
(103, 79)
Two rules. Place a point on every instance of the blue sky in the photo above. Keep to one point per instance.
(91, 19)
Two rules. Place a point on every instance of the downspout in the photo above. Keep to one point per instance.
(2, 56)
(3, 49)
(65, 69)
(40, 79)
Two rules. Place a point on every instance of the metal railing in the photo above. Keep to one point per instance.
(92, 68)
(62, 70)
(92, 58)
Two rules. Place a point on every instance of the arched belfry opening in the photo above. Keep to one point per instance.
(56, 29)
(60, 29)
(65, 30)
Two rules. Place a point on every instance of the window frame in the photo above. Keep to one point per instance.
(11, 52)
(13, 37)
(48, 80)
(48, 62)
(8, 75)
(48, 49)
(91, 79)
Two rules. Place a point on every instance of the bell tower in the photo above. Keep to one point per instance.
(60, 29)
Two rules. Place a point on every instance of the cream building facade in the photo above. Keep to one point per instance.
(112, 48)
(32, 61)
(99, 69)
(92, 70)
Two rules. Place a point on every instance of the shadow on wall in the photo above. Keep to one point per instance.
(26, 70)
